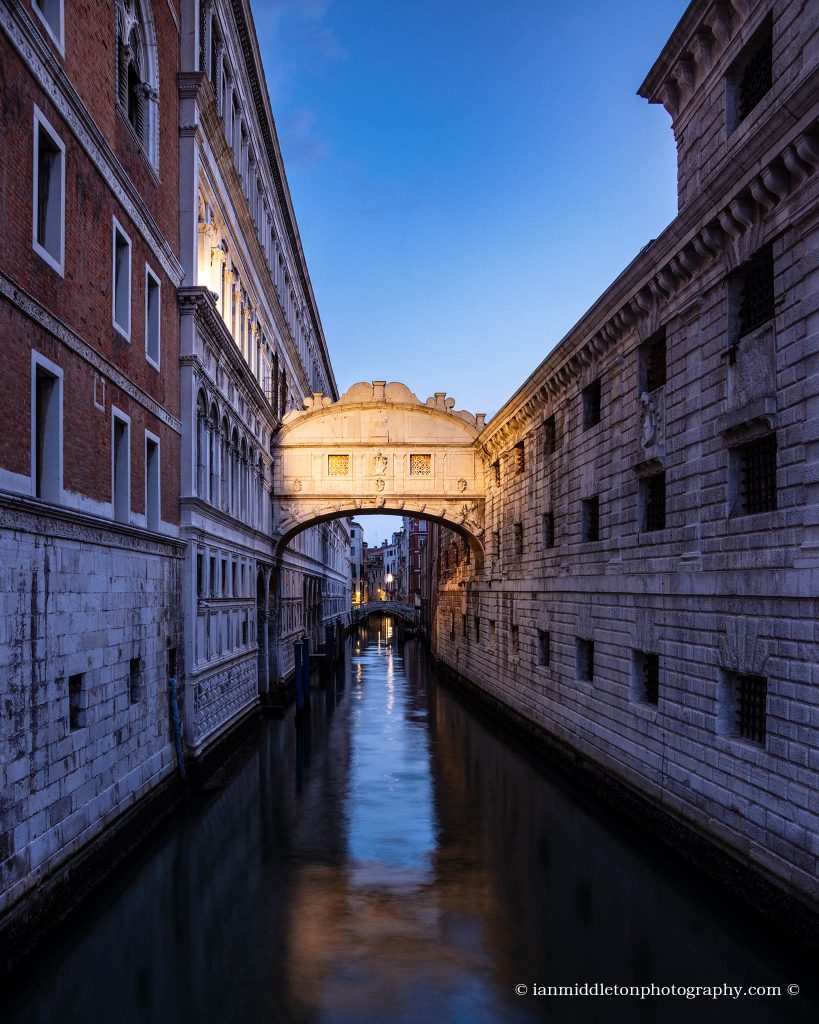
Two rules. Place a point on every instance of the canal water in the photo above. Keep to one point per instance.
(396, 861)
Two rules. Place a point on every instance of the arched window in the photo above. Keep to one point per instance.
(244, 481)
(235, 485)
(213, 453)
(225, 474)
(138, 73)
(201, 446)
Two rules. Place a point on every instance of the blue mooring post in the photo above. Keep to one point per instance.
(298, 654)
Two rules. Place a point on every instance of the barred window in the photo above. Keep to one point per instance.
(338, 465)
(515, 635)
(591, 405)
(590, 519)
(544, 647)
(548, 525)
(653, 502)
(584, 659)
(756, 475)
(653, 362)
(518, 538)
(745, 710)
(520, 457)
(477, 628)
(496, 476)
(755, 72)
(549, 437)
(756, 296)
(647, 677)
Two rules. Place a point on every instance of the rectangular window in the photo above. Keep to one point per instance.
(743, 710)
(49, 193)
(463, 626)
(496, 544)
(751, 76)
(121, 289)
(520, 457)
(544, 647)
(590, 519)
(755, 473)
(420, 465)
(152, 317)
(493, 633)
(548, 529)
(496, 477)
(584, 659)
(653, 362)
(338, 465)
(549, 437)
(477, 628)
(757, 301)
(135, 680)
(652, 500)
(591, 405)
(121, 467)
(76, 703)
(152, 506)
(646, 677)
(515, 637)
(518, 538)
(200, 574)
(50, 13)
(225, 581)
(46, 429)
(212, 577)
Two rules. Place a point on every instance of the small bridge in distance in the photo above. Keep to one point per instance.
(399, 609)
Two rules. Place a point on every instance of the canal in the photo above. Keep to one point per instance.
(396, 861)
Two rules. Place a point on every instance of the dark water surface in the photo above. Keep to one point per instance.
(396, 862)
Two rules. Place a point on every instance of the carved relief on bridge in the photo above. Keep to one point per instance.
(379, 448)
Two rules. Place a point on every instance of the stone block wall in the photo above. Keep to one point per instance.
(91, 624)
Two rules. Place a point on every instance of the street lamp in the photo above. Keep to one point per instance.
(388, 580)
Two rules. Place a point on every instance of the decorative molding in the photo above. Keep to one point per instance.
(740, 649)
(40, 315)
(44, 67)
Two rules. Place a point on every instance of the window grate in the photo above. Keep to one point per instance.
(757, 300)
(757, 475)
(654, 498)
(338, 465)
(549, 437)
(650, 673)
(518, 538)
(654, 362)
(520, 458)
(757, 75)
(548, 529)
(515, 634)
(591, 519)
(751, 707)
(420, 465)
(544, 646)
(591, 405)
(585, 659)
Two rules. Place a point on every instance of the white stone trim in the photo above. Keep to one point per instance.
(151, 273)
(48, 74)
(40, 120)
(56, 371)
(42, 316)
(58, 38)
(150, 436)
(117, 228)
(118, 414)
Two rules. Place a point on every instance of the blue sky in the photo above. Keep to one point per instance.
(468, 177)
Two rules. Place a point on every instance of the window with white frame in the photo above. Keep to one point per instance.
(121, 288)
(153, 316)
(49, 193)
(152, 497)
(50, 13)
(121, 466)
(137, 73)
(46, 428)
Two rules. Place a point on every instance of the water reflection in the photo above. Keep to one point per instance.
(391, 861)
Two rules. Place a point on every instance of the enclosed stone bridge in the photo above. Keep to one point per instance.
(398, 609)
(380, 450)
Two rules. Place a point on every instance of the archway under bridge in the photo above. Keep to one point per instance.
(379, 450)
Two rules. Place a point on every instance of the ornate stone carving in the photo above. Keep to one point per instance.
(650, 419)
(380, 463)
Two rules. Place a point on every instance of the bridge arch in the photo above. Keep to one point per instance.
(379, 450)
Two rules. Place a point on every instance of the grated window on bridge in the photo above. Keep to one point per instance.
(647, 677)
(757, 299)
(652, 496)
(753, 72)
(548, 529)
(518, 538)
(549, 437)
(420, 465)
(338, 465)
(584, 659)
(591, 404)
(653, 362)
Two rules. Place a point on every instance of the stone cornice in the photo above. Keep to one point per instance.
(18, 512)
(50, 76)
(35, 311)
(703, 233)
(255, 71)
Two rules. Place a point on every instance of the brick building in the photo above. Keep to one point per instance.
(90, 437)
(649, 596)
